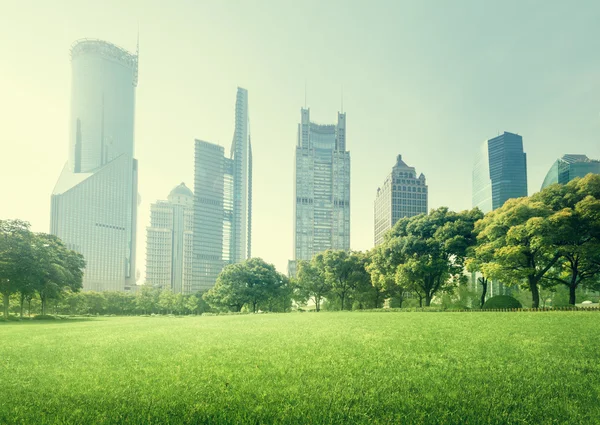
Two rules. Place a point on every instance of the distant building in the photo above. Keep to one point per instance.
(169, 243)
(94, 202)
(569, 167)
(223, 201)
(500, 172)
(402, 194)
(322, 188)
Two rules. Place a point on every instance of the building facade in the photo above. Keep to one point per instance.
(402, 194)
(322, 188)
(94, 202)
(499, 172)
(169, 242)
(569, 167)
(222, 201)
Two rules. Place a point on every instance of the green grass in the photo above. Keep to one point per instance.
(331, 368)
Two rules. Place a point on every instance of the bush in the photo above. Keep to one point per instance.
(44, 317)
(501, 302)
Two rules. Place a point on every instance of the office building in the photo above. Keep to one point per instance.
(223, 201)
(569, 167)
(402, 194)
(499, 172)
(322, 189)
(94, 202)
(169, 242)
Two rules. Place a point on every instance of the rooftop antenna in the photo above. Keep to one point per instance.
(342, 99)
(305, 93)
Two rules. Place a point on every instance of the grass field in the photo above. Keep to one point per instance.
(332, 368)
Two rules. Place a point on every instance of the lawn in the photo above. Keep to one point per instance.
(313, 368)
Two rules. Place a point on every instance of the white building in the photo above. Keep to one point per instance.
(169, 243)
(322, 189)
(402, 194)
(94, 202)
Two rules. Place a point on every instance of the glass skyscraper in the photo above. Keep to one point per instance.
(402, 194)
(223, 201)
(169, 241)
(322, 188)
(94, 202)
(569, 167)
(499, 172)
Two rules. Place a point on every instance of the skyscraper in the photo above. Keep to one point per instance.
(402, 194)
(499, 172)
(322, 188)
(569, 167)
(94, 202)
(223, 201)
(170, 240)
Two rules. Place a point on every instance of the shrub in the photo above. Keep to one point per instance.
(501, 302)
(44, 317)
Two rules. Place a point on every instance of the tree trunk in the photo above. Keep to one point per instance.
(420, 301)
(572, 297)
(318, 303)
(342, 297)
(29, 307)
(484, 284)
(535, 293)
(22, 305)
(6, 298)
(43, 299)
(427, 300)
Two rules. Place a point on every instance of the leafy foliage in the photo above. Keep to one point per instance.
(501, 302)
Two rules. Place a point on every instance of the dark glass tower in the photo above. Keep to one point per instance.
(570, 167)
(500, 172)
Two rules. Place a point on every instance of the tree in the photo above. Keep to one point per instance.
(254, 283)
(57, 269)
(574, 232)
(166, 300)
(517, 238)
(431, 249)
(15, 258)
(342, 272)
(311, 283)
(146, 299)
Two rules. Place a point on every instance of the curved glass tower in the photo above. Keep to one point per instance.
(569, 167)
(94, 202)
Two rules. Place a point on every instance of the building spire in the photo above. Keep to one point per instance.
(305, 93)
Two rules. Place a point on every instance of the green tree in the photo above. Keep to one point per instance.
(146, 299)
(431, 250)
(310, 283)
(230, 289)
(574, 232)
(166, 301)
(16, 258)
(342, 271)
(517, 238)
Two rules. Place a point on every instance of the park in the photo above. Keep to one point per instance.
(296, 368)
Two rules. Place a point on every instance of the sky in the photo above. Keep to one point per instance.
(430, 80)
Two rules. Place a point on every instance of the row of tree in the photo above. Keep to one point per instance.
(35, 264)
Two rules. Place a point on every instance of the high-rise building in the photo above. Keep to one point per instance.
(402, 194)
(223, 201)
(94, 202)
(500, 172)
(169, 242)
(570, 167)
(322, 188)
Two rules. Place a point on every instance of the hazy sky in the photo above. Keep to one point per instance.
(428, 79)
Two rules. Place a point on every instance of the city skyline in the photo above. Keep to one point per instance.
(569, 167)
(396, 95)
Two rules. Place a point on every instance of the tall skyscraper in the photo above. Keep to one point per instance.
(569, 167)
(500, 172)
(169, 242)
(223, 201)
(94, 202)
(402, 194)
(322, 188)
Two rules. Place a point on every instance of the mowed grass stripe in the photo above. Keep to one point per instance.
(304, 368)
